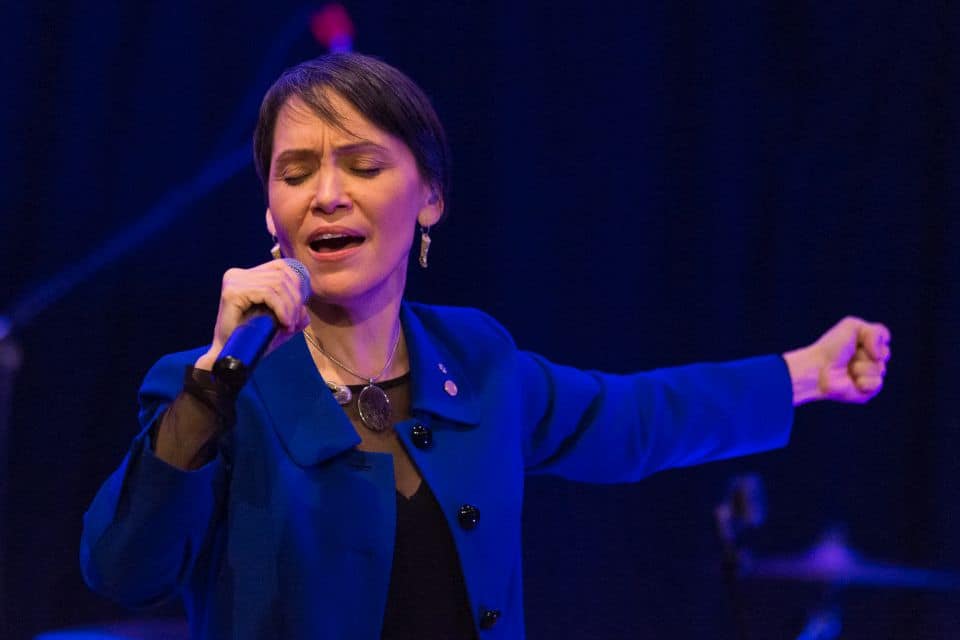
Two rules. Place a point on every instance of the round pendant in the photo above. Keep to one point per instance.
(374, 406)
(341, 393)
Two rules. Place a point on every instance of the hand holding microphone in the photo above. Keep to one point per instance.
(260, 309)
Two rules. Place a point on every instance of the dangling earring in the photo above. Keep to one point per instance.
(275, 249)
(424, 245)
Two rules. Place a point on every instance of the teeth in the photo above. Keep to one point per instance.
(331, 236)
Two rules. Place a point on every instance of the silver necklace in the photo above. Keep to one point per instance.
(373, 402)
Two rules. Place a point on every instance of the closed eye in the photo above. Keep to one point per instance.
(294, 179)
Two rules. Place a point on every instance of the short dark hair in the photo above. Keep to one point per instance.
(380, 93)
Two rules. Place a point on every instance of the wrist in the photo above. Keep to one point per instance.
(217, 396)
(804, 369)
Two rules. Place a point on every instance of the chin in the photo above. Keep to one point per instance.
(348, 288)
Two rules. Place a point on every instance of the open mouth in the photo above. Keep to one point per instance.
(333, 242)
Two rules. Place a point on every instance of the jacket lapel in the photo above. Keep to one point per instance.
(432, 369)
(313, 427)
(309, 422)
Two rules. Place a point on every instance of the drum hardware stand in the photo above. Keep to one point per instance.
(831, 562)
(824, 623)
(744, 507)
(11, 357)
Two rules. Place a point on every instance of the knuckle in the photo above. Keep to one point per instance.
(229, 294)
(230, 274)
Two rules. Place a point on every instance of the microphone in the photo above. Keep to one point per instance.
(250, 339)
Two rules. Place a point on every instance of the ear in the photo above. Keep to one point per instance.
(271, 227)
(432, 210)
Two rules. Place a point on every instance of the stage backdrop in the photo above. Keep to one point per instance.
(635, 186)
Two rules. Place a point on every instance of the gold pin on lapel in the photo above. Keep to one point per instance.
(450, 387)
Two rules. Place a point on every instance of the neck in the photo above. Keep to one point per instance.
(361, 334)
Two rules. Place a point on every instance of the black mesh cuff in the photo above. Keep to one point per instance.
(217, 396)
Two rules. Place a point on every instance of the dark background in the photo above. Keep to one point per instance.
(635, 186)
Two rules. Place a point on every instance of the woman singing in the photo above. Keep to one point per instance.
(367, 480)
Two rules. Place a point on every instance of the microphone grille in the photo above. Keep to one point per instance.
(301, 270)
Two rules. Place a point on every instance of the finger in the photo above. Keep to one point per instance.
(869, 384)
(300, 322)
(884, 337)
(269, 295)
(288, 274)
(293, 308)
(285, 287)
(875, 338)
(283, 307)
(273, 284)
(303, 318)
(292, 290)
(861, 355)
(867, 368)
(297, 324)
(291, 283)
(281, 273)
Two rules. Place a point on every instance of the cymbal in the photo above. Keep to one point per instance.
(832, 561)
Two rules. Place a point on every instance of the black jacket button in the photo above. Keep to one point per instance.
(469, 516)
(422, 436)
(488, 618)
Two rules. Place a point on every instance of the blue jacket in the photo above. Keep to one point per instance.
(289, 532)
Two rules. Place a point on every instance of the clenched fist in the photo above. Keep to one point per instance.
(846, 364)
(273, 284)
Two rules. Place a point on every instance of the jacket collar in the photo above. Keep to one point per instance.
(310, 423)
(433, 371)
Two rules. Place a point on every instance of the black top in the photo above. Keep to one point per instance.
(427, 599)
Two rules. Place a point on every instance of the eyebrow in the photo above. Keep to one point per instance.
(361, 146)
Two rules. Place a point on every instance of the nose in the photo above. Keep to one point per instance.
(330, 194)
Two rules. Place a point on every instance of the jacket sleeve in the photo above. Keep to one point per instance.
(598, 427)
(147, 523)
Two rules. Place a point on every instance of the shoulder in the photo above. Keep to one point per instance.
(461, 335)
(461, 324)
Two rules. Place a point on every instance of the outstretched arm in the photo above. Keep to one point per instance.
(604, 428)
